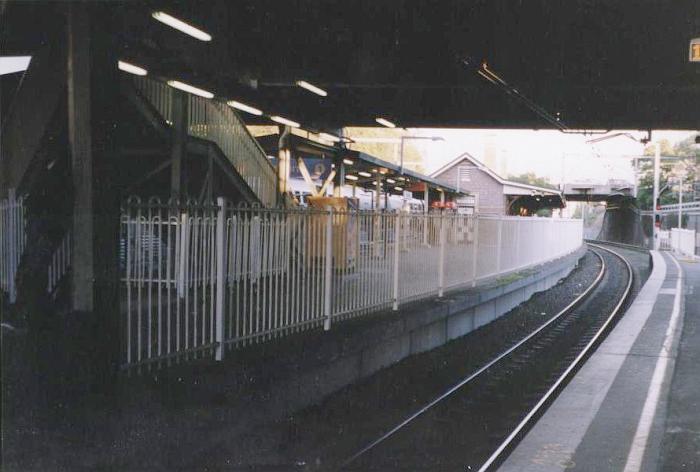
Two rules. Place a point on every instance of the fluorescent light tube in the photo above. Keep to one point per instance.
(131, 69)
(190, 89)
(12, 64)
(311, 88)
(244, 107)
(181, 26)
(285, 121)
(385, 122)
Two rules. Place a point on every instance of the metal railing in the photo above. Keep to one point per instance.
(217, 122)
(60, 264)
(664, 240)
(198, 280)
(682, 241)
(13, 240)
(685, 206)
(168, 267)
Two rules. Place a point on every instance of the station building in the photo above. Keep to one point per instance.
(496, 195)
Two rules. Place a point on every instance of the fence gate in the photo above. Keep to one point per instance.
(169, 273)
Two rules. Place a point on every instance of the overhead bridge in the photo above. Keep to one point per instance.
(587, 192)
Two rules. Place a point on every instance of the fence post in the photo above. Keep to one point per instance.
(13, 246)
(475, 252)
(184, 245)
(441, 264)
(220, 285)
(499, 244)
(328, 272)
(551, 241)
(397, 235)
(518, 224)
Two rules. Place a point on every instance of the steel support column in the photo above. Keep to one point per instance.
(93, 101)
(180, 120)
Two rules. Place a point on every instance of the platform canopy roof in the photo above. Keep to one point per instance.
(362, 169)
(599, 64)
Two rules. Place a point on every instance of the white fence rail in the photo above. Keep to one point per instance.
(198, 280)
(682, 241)
(13, 240)
(664, 240)
(59, 265)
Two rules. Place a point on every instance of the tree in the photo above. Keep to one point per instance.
(666, 148)
(387, 151)
(685, 148)
(530, 178)
(689, 156)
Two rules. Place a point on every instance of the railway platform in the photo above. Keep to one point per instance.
(633, 405)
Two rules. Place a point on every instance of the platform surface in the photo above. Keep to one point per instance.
(634, 405)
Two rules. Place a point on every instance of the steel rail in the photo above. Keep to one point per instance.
(509, 442)
(482, 369)
(614, 243)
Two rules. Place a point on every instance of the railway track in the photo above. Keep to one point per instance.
(474, 424)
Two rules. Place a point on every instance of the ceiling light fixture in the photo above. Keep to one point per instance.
(190, 89)
(351, 177)
(365, 174)
(181, 26)
(285, 121)
(385, 122)
(312, 88)
(131, 69)
(244, 107)
(12, 64)
(348, 162)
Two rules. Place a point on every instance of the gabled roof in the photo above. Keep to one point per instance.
(468, 157)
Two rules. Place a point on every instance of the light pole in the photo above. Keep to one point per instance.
(680, 202)
(404, 138)
(398, 141)
(681, 177)
(657, 171)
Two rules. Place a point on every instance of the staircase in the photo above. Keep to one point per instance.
(217, 122)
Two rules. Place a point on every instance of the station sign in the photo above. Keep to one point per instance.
(694, 53)
(467, 200)
(318, 168)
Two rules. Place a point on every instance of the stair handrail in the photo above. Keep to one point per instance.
(214, 120)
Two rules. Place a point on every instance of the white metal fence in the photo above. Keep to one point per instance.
(216, 121)
(198, 280)
(664, 240)
(13, 240)
(682, 241)
(59, 265)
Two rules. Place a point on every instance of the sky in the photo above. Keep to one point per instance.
(547, 153)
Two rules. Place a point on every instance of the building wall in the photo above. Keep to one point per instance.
(490, 192)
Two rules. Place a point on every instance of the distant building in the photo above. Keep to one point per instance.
(496, 195)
